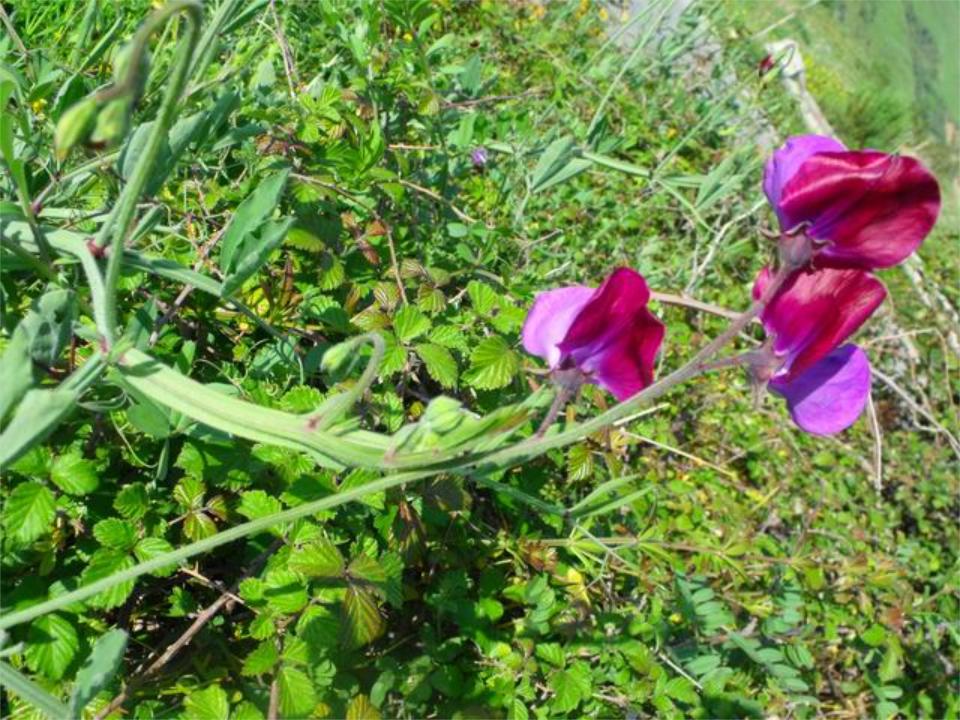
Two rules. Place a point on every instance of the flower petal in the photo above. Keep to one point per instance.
(831, 395)
(785, 162)
(549, 319)
(871, 209)
(615, 336)
(815, 311)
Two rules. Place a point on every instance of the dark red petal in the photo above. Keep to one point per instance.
(815, 311)
(615, 337)
(871, 209)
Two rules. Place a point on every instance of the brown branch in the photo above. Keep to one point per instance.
(196, 626)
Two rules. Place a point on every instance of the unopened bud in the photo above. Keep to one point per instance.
(112, 123)
(74, 126)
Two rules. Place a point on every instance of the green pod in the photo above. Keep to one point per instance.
(113, 122)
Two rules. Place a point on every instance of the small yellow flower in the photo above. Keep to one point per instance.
(408, 37)
(603, 14)
(37, 106)
(676, 618)
(671, 133)
(538, 12)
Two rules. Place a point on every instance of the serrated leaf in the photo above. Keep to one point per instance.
(188, 493)
(319, 627)
(285, 592)
(571, 687)
(115, 534)
(74, 474)
(257, 504)
(362, 622)
(551, 653)
(409, 323)
(104, 563)
(360, 708)
(682, 689)
(493, 364)
(151, 547)
(52, 643)
(297, 695)
(440, 363)
(483, 298)
(262, 660)
(319, 559)
(131, 501)
(98, 669)
(208, 704)
(198, 525)
(29, 511)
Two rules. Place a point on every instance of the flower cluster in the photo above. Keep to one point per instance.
(842, 215)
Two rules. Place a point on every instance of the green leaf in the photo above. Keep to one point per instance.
(244, 247)
(151, 547)
(483, 297)
(52, 643)
(297, 695)
(98, 669)
(16, 369)
(319, 559)
(874, 636)
(551, 653)
(440, 363)
(682, 689)
(49, 325)
(208, 704)
(104, 563)
(74, 474)
(132, 501)
(360, 708)
(571, 687)
(285, 591)
(409, 323)
(557, 163)
(362, 622)
(493, 364)
(36, 417)
(262, 660)
(115, 534)
(319, 627)
(29, 511)
(257, 504)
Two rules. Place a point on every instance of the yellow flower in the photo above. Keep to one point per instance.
(603, 14)
(37, 106)
(676, 618)
(408, 37)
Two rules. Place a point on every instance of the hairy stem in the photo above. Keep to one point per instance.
(115, 229)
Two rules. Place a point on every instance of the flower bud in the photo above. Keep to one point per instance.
(113, 121)
(74, 126)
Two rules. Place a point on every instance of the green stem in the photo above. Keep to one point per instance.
(28, 690)
(115, 229)
(201, 546)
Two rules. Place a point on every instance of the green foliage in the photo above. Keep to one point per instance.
(699, 560)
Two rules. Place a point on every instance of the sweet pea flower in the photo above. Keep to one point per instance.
(604, 335)
(479, 158)
(826, 384)
(851, 209)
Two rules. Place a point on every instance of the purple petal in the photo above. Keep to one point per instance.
(552, 314)
(816, 310)
(785, 162)
(871, 210)
(831, 395)
(615, 337)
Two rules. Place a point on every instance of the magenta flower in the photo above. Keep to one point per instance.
(607, 335)
(852, 209)
(826, 385)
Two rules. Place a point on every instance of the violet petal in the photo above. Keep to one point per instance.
(552, 314)
(831, 395)
(785, 162)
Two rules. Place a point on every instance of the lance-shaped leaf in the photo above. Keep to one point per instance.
(98, 669)
(251, 236)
